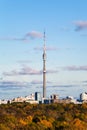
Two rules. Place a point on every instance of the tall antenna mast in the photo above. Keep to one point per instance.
(44, 67)
(44, 42)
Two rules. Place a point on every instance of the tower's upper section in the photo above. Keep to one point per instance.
(44, 48)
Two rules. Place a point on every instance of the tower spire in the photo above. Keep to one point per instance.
(44, 42)
(44, 67)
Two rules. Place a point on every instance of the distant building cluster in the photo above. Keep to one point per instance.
(54, 98)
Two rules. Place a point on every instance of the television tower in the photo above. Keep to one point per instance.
(44, 67)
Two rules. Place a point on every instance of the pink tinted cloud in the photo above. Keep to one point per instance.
(12, 39)
(76, 68)
(34, 34)
(13, 83)
(23, 71)
(80, 25)
(36, 82)
(11, 73)
(39, 82)
(27, 71)
(47, 48)
(52, 71)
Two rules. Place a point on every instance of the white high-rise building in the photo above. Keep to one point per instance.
(83, 96)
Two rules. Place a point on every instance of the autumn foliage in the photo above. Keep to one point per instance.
(25, 116)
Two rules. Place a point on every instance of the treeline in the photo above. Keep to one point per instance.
(25, 116)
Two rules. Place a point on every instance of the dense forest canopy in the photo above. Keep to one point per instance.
(25, 116)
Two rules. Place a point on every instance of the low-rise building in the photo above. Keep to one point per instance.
(3, 101)
(18, 99)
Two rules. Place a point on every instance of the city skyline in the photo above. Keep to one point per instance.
(21, 46)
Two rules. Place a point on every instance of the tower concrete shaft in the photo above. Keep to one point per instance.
(44, 69)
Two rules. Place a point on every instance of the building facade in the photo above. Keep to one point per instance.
(83, 96)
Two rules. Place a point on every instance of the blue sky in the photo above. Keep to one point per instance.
(22, 24)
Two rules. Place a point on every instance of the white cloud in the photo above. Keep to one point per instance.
(80, 25)
(27, 71)
(26, 37)
(47, 48)
(34, 34)
(75, 68)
